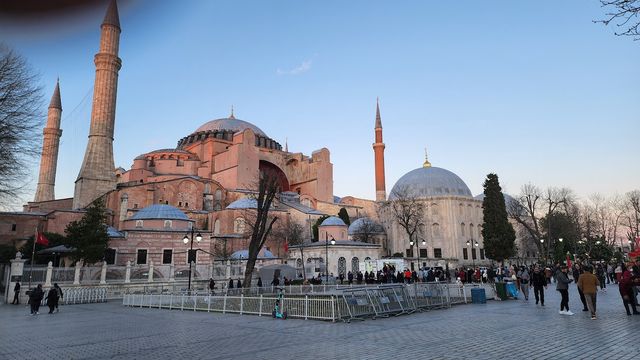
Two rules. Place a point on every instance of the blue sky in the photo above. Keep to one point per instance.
(533, 91)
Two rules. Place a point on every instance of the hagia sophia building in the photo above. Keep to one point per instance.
(205, 183)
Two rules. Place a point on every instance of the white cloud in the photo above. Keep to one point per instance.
(302, 68)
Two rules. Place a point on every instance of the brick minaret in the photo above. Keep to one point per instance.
(97, 175)
(50, 146)
(378, 150)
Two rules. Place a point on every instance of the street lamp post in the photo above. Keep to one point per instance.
(326, 255)
(186, 240)
(471, 243)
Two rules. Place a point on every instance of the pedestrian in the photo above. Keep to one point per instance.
(35, 298)
(341, 276)
(16, 294)
(350, 277)
(539, 283)
(230, 284)
(523, 276)
(588, 284)
(275, 282)
(239, 284)
(601, 275)
(562, 286)
(212, 285)
(259, 282)
(52, 299)
(577, 271)
(626, 291)
(60, 295)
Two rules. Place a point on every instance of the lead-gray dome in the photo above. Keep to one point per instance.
(333, 221)
(230, 123)
(160, 211)
(430, 181)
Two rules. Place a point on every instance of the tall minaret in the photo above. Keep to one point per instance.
(378, 150)
(50, 145)
(97, 175)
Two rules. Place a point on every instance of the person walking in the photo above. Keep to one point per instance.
(625, 288)
(539, 283)
(601, 275)
(35, 298)
(562, 286)
(60, 295)
(588, 283)
(523, 277)
(16, 294)
(52, 299)
(350, 277)
(577, 271)
(212, 286)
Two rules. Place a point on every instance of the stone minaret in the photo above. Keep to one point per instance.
(97, 175)
(50, 146)
(378, 150)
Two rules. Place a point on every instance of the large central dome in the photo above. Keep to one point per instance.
(430, 181)
(230, 123)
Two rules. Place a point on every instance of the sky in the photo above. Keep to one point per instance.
(531, 90)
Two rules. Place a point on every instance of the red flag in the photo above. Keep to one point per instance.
(286, 247)
(41, 239)
(568, 261)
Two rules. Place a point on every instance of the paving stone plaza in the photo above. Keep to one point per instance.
(510, 329)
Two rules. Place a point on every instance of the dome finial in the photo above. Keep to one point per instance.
(231, 116)
(426, 159)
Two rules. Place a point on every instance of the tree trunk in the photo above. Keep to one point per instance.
(304, 275)
(248, 273)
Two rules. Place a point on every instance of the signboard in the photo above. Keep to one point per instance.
(16, 278)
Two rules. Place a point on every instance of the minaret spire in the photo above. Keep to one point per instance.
(286, 145)
(231, 116)
(378, 151)
(45, 190)
(97, 174)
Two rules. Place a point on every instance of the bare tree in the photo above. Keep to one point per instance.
(261, 224)
(625, 15)
(631, 216)
(406, 210)
(366, 231)
(292, 232)
(20, 118)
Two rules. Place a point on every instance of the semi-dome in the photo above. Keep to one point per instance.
(430, 181)
(160, 211)
(365, 225)
(333, 221)
(230, 123)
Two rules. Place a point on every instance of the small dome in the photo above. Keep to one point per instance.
(166, 151)
(244, 254)
(230, 123)
(244, 203)
(360, 225)
(333, 221)
(160, 211)
(430, 181)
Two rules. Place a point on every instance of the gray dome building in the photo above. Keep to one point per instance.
(430, 181)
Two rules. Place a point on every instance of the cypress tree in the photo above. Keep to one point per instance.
(498, 234)
(344, 215)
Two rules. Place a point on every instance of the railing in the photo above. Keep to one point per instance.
(302, 307)
(328, 302)
(83, 295)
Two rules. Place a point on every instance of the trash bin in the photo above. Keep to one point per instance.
(512, 290)
(501, 291)
(478, 296)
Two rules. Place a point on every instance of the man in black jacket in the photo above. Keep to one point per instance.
(538, 280)
(35, 297)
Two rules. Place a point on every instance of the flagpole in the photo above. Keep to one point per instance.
(33, 254)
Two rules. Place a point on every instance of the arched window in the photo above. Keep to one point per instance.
(139, 223)
(355, 265)
(216, 227)
(299, 263)
(218, 195)
(342, 266)
(435, 227)
(168, 224)
(239, 225)
(462, 230)
(471, 231)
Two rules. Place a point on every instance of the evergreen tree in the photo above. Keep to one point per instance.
(89, 235)
(497, 232)
(342, 214)
(314, 228)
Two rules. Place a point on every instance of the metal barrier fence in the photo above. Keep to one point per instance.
(303, 307)
(81, 296)
(343, 303)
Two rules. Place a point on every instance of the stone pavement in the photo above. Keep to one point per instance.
(496, 330)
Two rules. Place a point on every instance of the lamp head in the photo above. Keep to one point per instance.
(542, 241)
(424, 242)
(560, 239)
(467, 243)
(411, 242)
(333, 241)
(477, 244)
(199, 237)
(185, 239)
